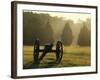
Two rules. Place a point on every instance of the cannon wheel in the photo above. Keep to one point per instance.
(36, 51)
(59, 51)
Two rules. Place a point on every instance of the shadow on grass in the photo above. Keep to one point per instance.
(45, 64)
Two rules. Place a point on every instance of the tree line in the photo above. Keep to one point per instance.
(38, 26)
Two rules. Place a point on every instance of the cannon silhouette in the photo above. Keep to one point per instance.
(47, 48)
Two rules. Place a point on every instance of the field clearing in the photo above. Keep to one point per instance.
(72, 56)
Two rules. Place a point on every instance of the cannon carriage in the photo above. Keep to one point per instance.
(47, 48)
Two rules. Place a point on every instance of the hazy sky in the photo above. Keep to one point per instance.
(73, 16)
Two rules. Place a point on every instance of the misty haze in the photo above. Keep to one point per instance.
(72, 29)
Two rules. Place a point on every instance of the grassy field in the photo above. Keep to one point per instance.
(72, 56)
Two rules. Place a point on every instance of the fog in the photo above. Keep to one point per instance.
(57, 22)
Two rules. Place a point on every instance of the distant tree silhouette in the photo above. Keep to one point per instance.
(67, 36)
(84, 36)
(27, 27)
(47, 34)
(36, 25)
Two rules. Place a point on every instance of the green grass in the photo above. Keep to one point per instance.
(72, 56)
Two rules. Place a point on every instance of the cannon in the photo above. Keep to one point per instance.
(47, 48)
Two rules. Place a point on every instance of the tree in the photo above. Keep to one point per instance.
(84, 36)
(36, 25)
(47, 34)
(67, 36)
(28, 20)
